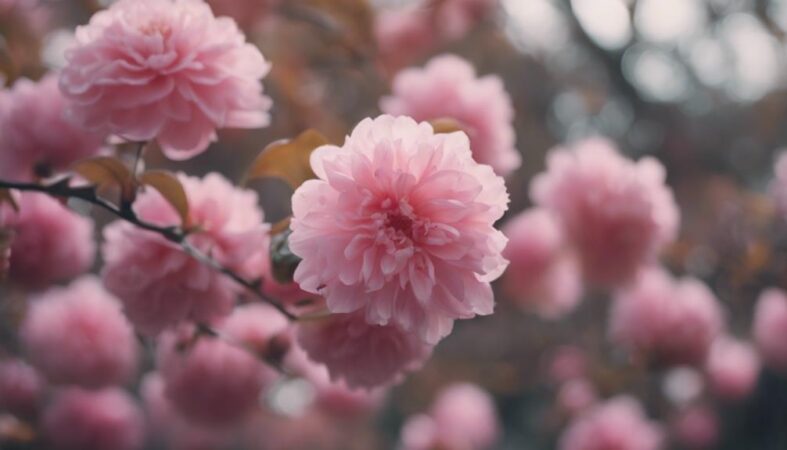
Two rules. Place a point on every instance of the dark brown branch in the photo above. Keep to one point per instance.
(173, 234)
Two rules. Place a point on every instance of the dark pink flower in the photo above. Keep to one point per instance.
(616, 213)
(672, 321)
(770, 328)
(541, 277)
(403, 35)
(448, 88)
(97, 420)
(50, 242)
(21, 388)
(576, 396)
(696, 427)
(732, 368)
(618, 424)
(362, 355)
(399, 226)
(78, 335)
(164, 70)
(37, 139)
(157, 282)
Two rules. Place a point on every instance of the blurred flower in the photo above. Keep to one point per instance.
(567, 363)
(21, 388)
(157, 282)
(618, 423)
(696, 427)
(403, 35)
(78, 335)
(576, 396)
(399, 226)
(97, 420)
(448, 88)
(617, 213)
(363, 355)
(540, 276)
(671, 321)
(247, 13)
(456, 17)
(462, 418)
(50, 243)
(210, 381)
(32, 15)
(259, 327)
(732, 368)
(37, 140)
(165, 70)
(770, 328)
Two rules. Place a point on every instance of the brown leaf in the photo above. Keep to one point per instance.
(445, 125)
(288, 159)
(107, 173)
(168, 185)
(6, 197)
(280, 226)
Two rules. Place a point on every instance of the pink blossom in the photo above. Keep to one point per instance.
(157, 282)
(462, 417)
(37, 139)
(618, 424)
(78, 335)
(50, 242)
(168, 426)
(247, 13)
(732, 368)
(696, 427)
(541, 276)
(258, 327)
(618, 214)
(567, 363)
(21, 388)
(32, 15)
(361, 354)
(399, 225)
(97, 420)
(457, 17)
(210, 381)
(673, 321)
(448, 88)
(770, 328)
(165, 70)
(403, 35)
(576, 396)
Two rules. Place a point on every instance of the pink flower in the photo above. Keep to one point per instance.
(21, 388)
(576, 396)
(616, 213)
(165, 70)
(78, 335)
(462, 417)
(448, 88)
(403, 35)
(167, 426)
(210, 381)
(32, 16)
(157, 282)
(567, 363)
(247, 13)
(361, 354)
(732, 368)
(37, 139)
(399, 225)
(673, 321)
(258, 327)
(457, 17)
(770, 328)
(50, 242)
(97, 420)
(696, 427)
(540, 277)
(618, 424)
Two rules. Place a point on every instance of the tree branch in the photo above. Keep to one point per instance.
(175, 235)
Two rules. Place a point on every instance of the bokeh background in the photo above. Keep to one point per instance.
(698, 84)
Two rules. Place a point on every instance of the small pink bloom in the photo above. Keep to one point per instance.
(419, 433)
(157, 282)
(576, 396)
(567, 363)
(97, 420)
(541, 277)
(165, 70)
(247, 13)
(399, 226)
(403, 35)
(696, 427)
(457, 17)
(21, 388)
(618, 424)
(618, 214)
(37, 139)
(673, 321)
(210, 381)
(50, 242)
(78, 335)
(448, 88)
(363, 355)
(732, 368)
(258, 327)
(770, 328)
(31, 15)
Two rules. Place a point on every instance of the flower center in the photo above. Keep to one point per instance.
(400, 223)
(156, 27)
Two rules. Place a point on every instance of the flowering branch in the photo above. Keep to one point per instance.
(173, 234)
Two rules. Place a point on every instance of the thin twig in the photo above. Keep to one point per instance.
(173, 234)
